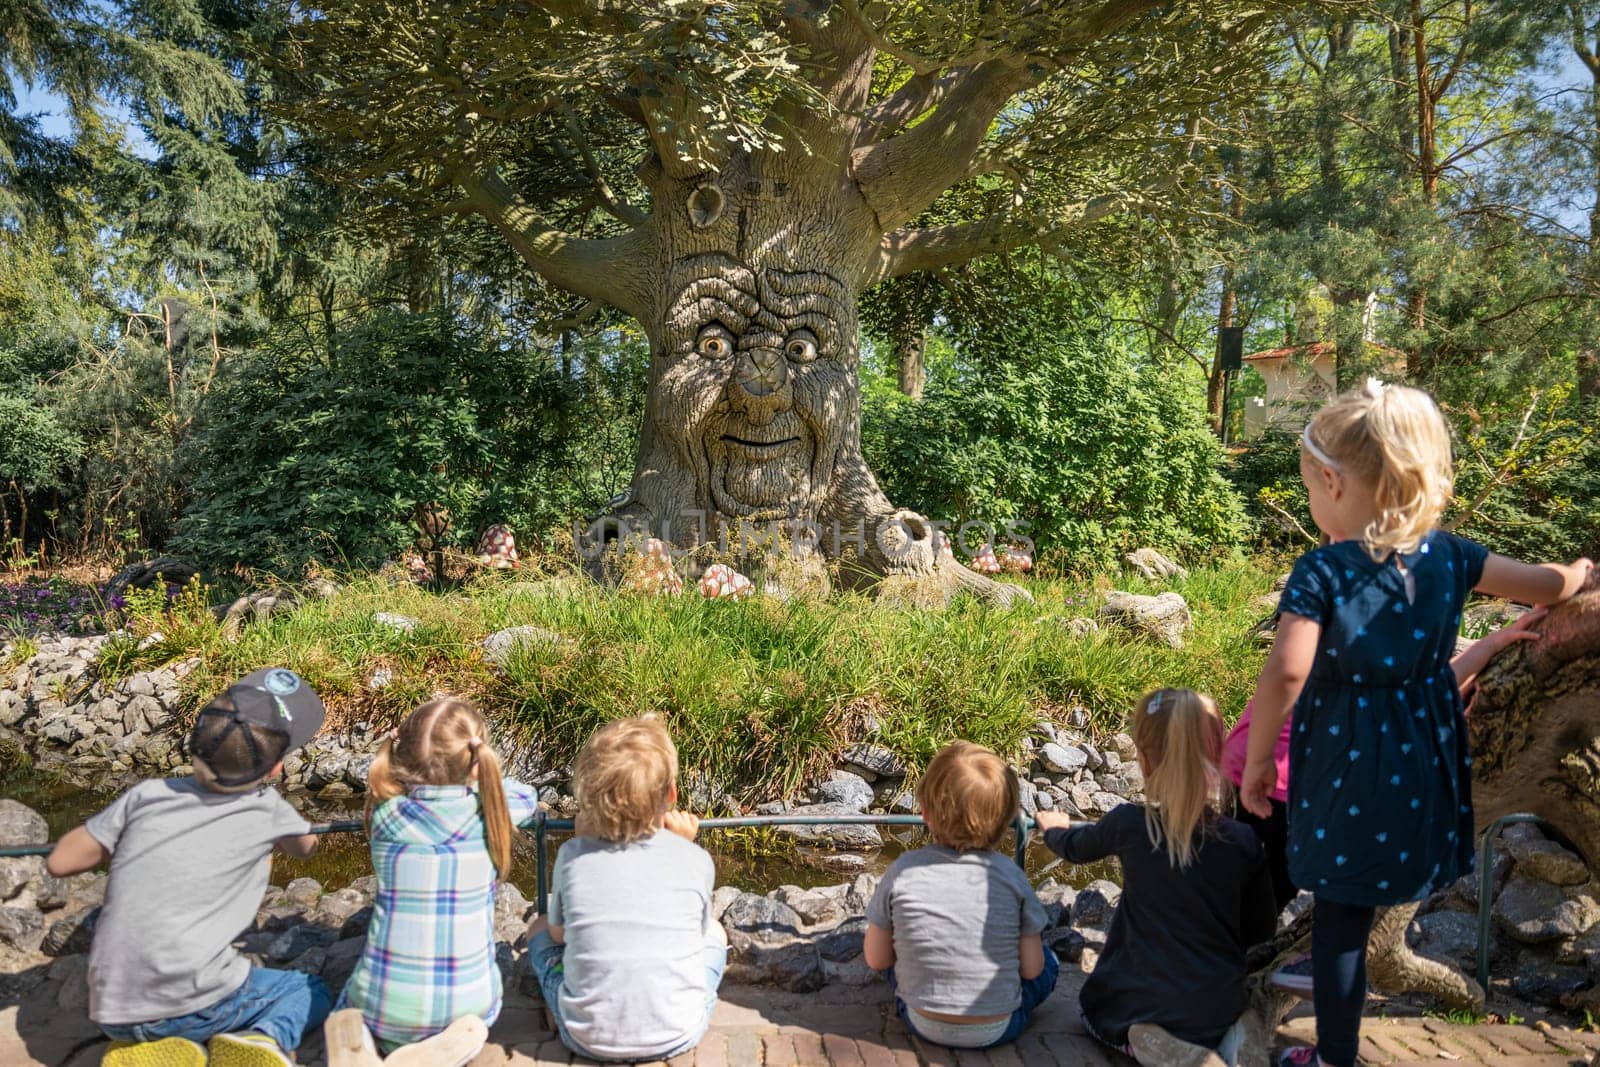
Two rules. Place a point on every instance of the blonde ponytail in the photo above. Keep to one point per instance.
(1393, 439)
(1179, 734)
(382, 782)
(496, 815)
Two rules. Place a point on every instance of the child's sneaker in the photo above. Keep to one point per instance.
(1294, 977)
(1299, 1056)
(168, 1052)
(1155, 1046)
(247, 1049)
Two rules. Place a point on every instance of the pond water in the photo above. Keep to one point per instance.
(752, 859)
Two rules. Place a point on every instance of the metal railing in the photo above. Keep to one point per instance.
(541, 824)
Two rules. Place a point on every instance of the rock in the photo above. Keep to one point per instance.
(1028, 798)
(500, 646)
(844, 942)
(905, 803)
(71, 975)
(1095, 903)
(721, 897)
(860, 894)
(303, 891)
(1052, 892)
(297, 940)
(1062, 759)
(1545, 860)
(21, 825)
(1067, 943)
(1538, 979)
(850, 791)
(1125, 781)
(1106, 802)
(821, 906)
(71, 934)
(750, 917)
(1124, 747)
(1447, 936)
(1535, 912)
(340, 959)
(1082, 627)
(839, 862)
(1162, 618)
(344, 910)
(873, 761)
(1463, 893)
(21, 928)
(846, 836)
(404, 624)
(17, 872)
(794, 965)
(1154, 566)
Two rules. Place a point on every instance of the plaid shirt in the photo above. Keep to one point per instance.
(429, 957)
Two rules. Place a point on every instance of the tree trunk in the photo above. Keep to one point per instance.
(1215, 383)
(909, 348)
(752, 424)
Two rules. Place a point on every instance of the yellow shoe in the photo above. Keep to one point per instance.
(247, 1049)
(168, 1052)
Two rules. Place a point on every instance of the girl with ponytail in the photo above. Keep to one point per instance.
(440, 819)
(1169, 989)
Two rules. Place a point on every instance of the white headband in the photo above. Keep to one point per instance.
(1316, 453)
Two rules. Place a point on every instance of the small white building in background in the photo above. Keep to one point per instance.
(1298, 378)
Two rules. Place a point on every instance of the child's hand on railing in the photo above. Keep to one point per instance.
(682, 823)
(1051, 820)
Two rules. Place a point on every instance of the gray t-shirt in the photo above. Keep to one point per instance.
(188, 867)
(956, 918)
(637, 919)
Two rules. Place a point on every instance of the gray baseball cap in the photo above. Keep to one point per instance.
(274, 698)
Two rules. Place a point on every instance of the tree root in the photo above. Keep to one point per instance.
(1393, 968)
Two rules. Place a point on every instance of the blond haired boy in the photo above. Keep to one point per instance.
(955, 926)
(629, 957)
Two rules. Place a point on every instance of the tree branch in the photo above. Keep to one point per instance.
(907, 251)
(920, 92)
(603, 270)
(617, 206)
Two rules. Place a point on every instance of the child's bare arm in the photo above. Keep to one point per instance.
(558, 934)
(1532, 583)
(1030, 951)
(878, 948)
(298, 846)
(1476, 656)
(75, 853)
(1285, 673)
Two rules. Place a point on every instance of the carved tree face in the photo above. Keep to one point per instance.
(759, 390)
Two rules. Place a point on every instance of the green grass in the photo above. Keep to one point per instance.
(759, 694)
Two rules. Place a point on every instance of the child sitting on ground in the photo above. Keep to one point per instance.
(629, 957)
(955, 926)
(440, 820)
(1170, 986)
(189, 863)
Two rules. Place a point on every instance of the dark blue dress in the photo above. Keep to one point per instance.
(1380, 798)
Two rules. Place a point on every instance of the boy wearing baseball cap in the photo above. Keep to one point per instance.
(189, 863)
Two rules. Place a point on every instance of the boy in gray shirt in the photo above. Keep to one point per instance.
(189, 863)
(955, 926)
(629, 958)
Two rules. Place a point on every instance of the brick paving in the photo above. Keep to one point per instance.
(850, 1027)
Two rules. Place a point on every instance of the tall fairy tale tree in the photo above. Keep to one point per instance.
(739, 172)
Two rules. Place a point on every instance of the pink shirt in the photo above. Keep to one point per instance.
(1238, 743)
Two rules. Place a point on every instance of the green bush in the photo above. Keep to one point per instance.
(1267, 473)
(1097, 455)
(307, 455)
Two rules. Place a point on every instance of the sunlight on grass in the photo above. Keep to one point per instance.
(759, 694)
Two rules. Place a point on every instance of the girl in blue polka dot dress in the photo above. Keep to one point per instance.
(1380, 808)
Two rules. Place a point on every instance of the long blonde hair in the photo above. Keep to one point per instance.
(1179, 733)
(1393, 438)
(439, 744)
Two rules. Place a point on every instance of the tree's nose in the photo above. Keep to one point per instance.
(759, 388)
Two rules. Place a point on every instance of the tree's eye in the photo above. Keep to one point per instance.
(801, 346)
(715, 342)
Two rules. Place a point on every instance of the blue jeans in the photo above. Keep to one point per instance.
(1035, 991)
(281, 1004)
(545, 957)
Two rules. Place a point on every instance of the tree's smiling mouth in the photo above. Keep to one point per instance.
(760, 449)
